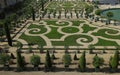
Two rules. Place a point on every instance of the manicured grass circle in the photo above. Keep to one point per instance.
(70, 30)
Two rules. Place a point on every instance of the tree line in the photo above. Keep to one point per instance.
(49, 65)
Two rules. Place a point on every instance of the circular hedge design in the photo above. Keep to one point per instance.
(38, 30)
(56, 23)
(70, 30)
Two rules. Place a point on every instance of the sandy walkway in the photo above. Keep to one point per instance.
(53, 73)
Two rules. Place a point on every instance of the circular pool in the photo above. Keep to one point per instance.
(115, 11)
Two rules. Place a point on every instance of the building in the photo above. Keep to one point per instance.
(2, 4)
(106, 1)
(6, 3)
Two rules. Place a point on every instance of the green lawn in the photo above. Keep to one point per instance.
(103, 42)
(102, 32)
(67, 5)
(33, 39)
(54, 34)
(53, 22)
(71, 40)
(77, 22)
(41, 27)
(56, 5)
(86, 28)
(70, 30)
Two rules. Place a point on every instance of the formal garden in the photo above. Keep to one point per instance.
(67, 9)
(57, 35)
(51, 33)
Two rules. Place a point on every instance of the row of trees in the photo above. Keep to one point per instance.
(15, 20)
(5, 26)
(49, 60)
(67, 13)
(12, 21)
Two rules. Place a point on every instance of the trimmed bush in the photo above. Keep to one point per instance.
(98, 12)
(20, 62)
(114, 61)
(82, 62)
(48, 62)
(66, 60)
(97, 62)
(35, 60)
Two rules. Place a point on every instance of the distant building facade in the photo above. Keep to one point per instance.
(106, 1)
(2, 4)
(5, 3)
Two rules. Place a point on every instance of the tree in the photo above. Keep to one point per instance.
(66, 60)
(41, 49)
(66, 48)
(82, 62)
(2, 32)
(13, 17)
(96, 2)
(114, 61)
(110, 62)
(42, 5)
(89, 9)
(53, 56)
(35, 60)
(48, 62)
(20, 61)
(33, 13)
(30, 49)
(4, 59)
(75, 57)
(78, 50)
(19, 45)
(2, 15)
(98, 12)
(109, 15)
(8, 33)
(12, 56)
(97, 62)
(91, 47)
